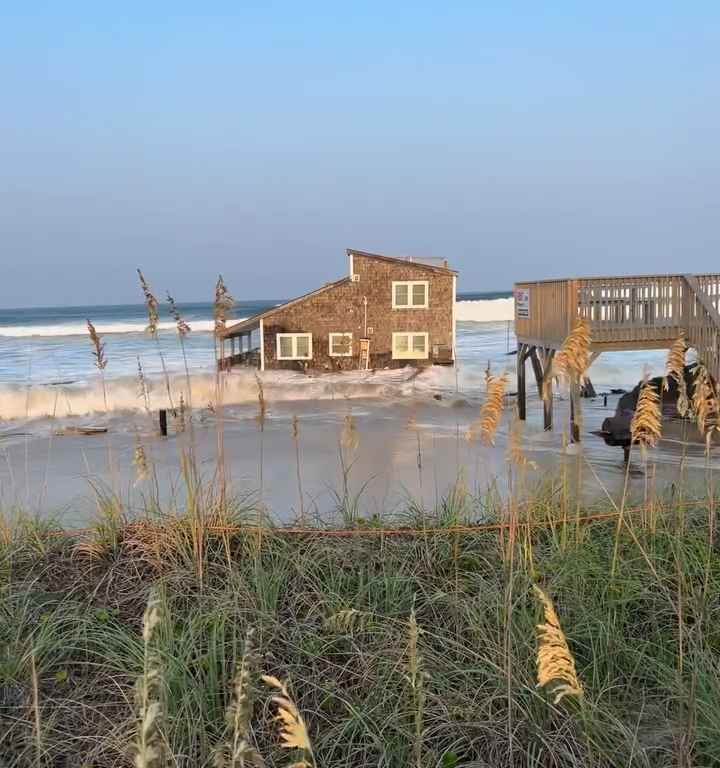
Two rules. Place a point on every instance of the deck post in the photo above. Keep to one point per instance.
(548, 411)
(574, 425)
(542, 365)
(538, 370)
(521, 390)
(547, 395)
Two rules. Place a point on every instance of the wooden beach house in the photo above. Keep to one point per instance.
(387, 312)
(625, 313)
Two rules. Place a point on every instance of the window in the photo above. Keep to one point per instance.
(294, 346)
(412, 294)
(340, 344)
(410, 346)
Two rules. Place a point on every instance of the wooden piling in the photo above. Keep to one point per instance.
(521, 387)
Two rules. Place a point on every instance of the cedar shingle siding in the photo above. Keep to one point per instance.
(340, 308)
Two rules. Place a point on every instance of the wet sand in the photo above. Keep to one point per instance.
(54, 477)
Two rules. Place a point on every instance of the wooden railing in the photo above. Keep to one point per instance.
(250, 358)
(625, 312)
(632, 309)
(702, 320)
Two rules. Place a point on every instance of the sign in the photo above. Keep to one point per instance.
(522, 303)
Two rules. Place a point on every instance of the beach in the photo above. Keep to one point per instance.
(411, 447)
(411, 427)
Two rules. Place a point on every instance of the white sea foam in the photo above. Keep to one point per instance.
(478, 311)
(239, 387)
(80, 329)
(485, 310)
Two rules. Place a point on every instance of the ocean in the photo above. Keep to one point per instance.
(47, 366)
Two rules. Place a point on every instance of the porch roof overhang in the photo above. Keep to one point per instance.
(248, 325)
(251, 323)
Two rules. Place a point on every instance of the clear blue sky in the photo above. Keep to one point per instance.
(518, 140)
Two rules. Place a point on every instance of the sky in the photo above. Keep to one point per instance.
(519, 140)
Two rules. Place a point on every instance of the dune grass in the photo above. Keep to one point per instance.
(394, 650)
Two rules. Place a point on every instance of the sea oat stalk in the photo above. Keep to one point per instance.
(348, 445)
(143, 387)
(705, 404)
(182, 327)
(646, 424)
(571, 362)
(150, 749)
(260, 417)
(180, 416)
(222, 306)
(413, 427)
(555, 662)
(291, 725)
(100, 359)
(99, 347)
(486, 425)
(296, 441)
(236, 750)
(224, 302)
(515, 453)
(573, 358)
(349, 438)
(151, 303)
(140, 462)
(36, 710)
(707, 414)
(416, 677)
(675, 369)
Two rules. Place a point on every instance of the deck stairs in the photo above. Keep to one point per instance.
(702, 322)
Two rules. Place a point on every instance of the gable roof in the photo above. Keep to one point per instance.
(251, 322)
(405, 260)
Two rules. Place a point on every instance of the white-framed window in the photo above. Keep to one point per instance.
(340, 344)
(294, 346)
(410, 345)
(410, 294)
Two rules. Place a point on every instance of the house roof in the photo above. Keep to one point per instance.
(414, 261)
(252, 322)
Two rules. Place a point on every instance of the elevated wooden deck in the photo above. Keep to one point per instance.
(626, 313)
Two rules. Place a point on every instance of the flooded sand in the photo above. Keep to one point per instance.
(411, 447)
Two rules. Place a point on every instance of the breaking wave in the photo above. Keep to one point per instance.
(80, 329)
(239, 387)
(466, 311)
(485, 310)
